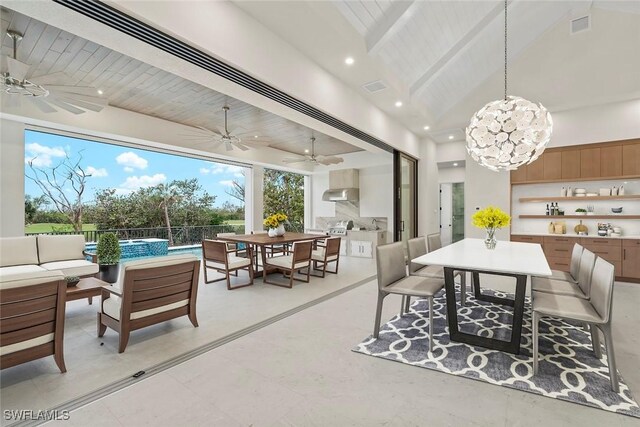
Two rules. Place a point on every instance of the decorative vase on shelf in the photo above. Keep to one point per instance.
(490, 241)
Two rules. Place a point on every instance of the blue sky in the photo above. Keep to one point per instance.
(124, 168)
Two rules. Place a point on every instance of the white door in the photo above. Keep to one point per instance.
(446, 211)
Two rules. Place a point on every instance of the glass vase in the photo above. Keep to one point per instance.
(490, 241)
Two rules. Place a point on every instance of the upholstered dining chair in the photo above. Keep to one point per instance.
(150, 291)
(581, 289)
(393, 279)
(596, 312)
(298, 259)
(327, 252)
(32, 317)
(417, 247)
(574, 267)
(219, 256)
(235, 247)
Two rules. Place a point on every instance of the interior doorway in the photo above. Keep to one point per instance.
(451, 212)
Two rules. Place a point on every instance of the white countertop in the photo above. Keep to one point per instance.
(573, 235)
(507, 257)
(366, 231)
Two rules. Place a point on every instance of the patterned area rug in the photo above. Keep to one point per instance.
(568, 368)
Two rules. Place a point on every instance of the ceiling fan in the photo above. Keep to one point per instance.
(313, 158)
(236, 138)
(47, 97)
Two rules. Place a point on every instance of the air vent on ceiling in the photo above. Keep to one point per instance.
(580, 24)
(375, 86)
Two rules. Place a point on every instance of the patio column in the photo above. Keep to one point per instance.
(12, 178)
(308, 202)
(254, 198)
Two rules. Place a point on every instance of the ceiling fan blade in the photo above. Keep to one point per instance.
(12, 101)
(43, 105)
(241, 146)
(294, 160)
(52, 79)
(228, 146)
(81, 104)
(65, 105)
(84, 98)
(18, 70)
(329, 160)
(76, 90)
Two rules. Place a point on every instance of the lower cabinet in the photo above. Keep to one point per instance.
(362, 249)
(631, 259)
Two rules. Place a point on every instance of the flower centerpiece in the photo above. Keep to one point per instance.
(491, 219)
(275, 223)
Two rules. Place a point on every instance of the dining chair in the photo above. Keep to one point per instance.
(325, 253)
(272, 250)
(417, 247)
(393, 279)
(236, 247)
(596, 312)
(218, 256)
(574, 267)
(298, 259)
(581, 289)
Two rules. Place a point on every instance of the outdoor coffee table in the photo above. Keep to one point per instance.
(513, 259)
(87, 287)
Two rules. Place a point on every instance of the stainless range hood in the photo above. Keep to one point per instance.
(342, 195)
(344, 186)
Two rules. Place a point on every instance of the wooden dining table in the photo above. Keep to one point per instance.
(262, 241)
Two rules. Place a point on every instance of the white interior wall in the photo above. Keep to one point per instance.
(449, 175)
(376, 192)
(11, 178)
(428, 203)
(319, 184)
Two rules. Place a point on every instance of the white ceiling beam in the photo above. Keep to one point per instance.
(433, 71)
(396, 17)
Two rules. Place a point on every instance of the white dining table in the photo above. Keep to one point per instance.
(513, 259)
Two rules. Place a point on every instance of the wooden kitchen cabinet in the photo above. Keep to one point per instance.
(535, 170)
(631, 159)
(552, 165)
(570, 164)
(519, 175)
(590, 163)
(526, 239)
(345, 178)
(631, 259)
(611, 161)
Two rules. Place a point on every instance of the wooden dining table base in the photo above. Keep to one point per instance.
(512, 346)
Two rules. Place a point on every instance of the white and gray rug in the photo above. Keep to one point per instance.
(568, 367)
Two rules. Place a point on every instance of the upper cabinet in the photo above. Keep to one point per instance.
(608, 160)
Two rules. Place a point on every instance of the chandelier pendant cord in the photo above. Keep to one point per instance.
(505, 49)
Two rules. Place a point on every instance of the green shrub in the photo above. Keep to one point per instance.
(108, 249)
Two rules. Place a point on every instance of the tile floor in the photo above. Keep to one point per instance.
(93, 362)
(300, 372)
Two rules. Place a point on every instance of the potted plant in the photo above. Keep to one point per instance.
(491, 219)
(108, 253)
(581, 211)
(275, 223)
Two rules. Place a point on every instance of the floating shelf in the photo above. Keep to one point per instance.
(580, 216)
(560, 198)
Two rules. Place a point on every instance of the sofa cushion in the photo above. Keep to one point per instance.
(18, 269)
(60, 248)
(74, 267)
(286, 261)
(111, 307)
(18, 251)
(19, 279)
(23, 345)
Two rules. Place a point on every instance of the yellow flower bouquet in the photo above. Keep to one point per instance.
(276, 222)
(491, 219)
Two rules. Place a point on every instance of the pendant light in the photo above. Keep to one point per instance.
(510, 132)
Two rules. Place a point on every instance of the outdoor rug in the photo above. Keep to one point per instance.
(568, 368)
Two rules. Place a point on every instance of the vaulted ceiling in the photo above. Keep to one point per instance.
(130, 84)
(444, 59)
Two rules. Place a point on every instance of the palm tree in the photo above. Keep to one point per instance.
(167, 196)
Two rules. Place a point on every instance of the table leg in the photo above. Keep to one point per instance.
(511, 346)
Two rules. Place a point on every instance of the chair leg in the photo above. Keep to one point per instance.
(534, 326)
(90, 299)
(123, 340)
(611, 357)
(102, 328)
(431, 325)
(376, 325)
(407, 304)
(59, 359)
(192, 315)
(403, 304)
(595, 341)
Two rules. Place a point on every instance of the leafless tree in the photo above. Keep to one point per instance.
(236, 190)
(63, 185)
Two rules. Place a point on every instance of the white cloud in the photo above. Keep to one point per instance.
(133, 183)
(96, 173)
(205, 171)
(236, 171)
(227, 183)
(41, 155)
(128, 169)
(132, 160)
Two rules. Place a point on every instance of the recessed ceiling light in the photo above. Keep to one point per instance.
(100, 92)
(450, 136)
(426, 128)
(455, 164)
(398, 103)
(306, 150)
(255, 136)
(349, 60)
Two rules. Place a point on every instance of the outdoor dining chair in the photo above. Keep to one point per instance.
(219, 256)
(299, 259)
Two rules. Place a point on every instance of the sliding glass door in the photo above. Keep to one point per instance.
(406, 201)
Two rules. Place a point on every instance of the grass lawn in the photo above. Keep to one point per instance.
(235, 222)
(44, 227)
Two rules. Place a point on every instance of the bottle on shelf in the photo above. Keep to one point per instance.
(548, 213)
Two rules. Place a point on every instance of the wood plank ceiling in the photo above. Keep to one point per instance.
(133, 85)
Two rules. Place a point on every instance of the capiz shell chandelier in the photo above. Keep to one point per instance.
(508, 133)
